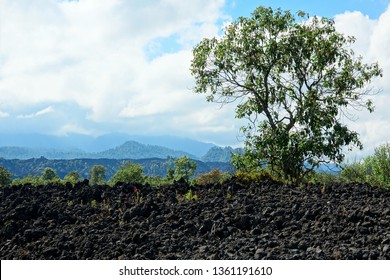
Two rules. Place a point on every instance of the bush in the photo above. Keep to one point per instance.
(374, 169)
(354, 172)
(129, 173)
(5, 177)
(215, 176)
(324, 178)
(256, 177)
(35, 180)
(49, 174)
(72, 177)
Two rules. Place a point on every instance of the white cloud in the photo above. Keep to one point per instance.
(71, 128)
(373, 44)
(42, 112)
(124, 65)
(94, 53)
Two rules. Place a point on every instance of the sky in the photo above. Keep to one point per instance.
(101, 66)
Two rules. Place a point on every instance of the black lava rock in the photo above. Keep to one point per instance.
(255, 221)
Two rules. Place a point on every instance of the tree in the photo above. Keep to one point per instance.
(129, 173)
(72, 177)
(293, 80)
(97, 175)
(5, 177)
(48, 174)
(184, 168)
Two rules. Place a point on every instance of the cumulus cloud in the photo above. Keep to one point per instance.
(95, 54)
(124, 66)
(373, 43)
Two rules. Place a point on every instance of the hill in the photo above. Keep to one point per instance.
(136, 150)
(220, 154)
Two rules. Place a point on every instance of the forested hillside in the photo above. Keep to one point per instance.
(151, 167)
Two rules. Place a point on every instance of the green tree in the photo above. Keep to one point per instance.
(48, 174)
(97, 175)
(5, 177)
(170, 174)
(184, 168)
(129, 173)
(374, 169)
(293, 77)
(72, 177)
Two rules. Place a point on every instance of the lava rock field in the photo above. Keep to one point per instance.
(229, 221)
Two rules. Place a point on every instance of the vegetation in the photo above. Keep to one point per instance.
(213, 177)
(48, 174)
(97, 175)
(374, 169)
(151, 167)
(184, 168)
(72, 177)
(293, 79)
(5, 177)
(129, 173)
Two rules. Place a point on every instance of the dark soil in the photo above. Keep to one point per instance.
(230, 221)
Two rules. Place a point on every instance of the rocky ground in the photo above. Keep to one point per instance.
(230, 221)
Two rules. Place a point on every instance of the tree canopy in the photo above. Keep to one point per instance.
(5, 177)
(293, 78)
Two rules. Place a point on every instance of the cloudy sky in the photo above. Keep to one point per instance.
(101, 66)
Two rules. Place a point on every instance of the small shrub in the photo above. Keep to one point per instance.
(215, 176)
(354, 172)
(254, 177)
(324, 178)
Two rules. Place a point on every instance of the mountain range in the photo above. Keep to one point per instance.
(111, 146)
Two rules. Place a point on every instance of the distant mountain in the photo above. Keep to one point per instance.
(110, 146)
(68, 142)
(220, 154)
(101, 143)
(194, 147)
(27, 153)
(135, 150)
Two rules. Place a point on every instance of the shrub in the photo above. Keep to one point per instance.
(374, 169)
(5, 177)
(256, 177)
(129, 173)
(215, 176)
(72, 177)
(378, 166)
(48, 174)
(354, 172)
(29, 180)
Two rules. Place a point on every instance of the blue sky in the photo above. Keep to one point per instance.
(329, 8)
(100, 66)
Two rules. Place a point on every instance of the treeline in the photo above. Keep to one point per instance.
(182, 168)
(151, 167)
